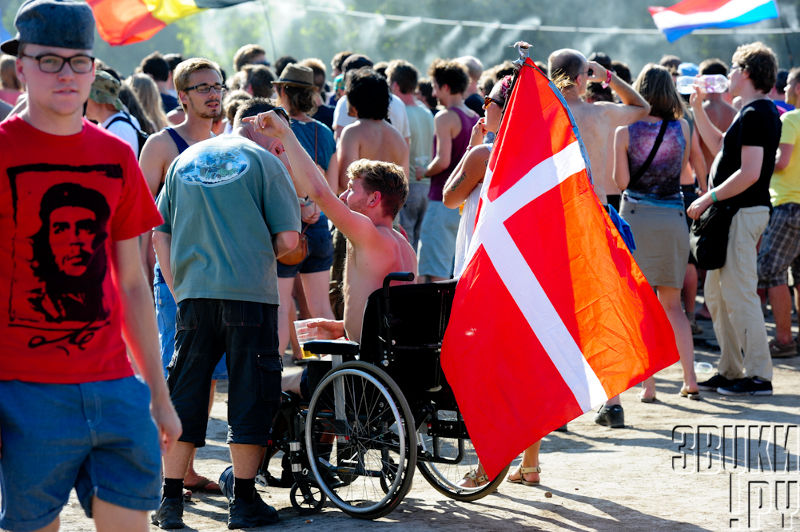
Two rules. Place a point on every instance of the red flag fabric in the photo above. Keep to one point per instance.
(551, 316)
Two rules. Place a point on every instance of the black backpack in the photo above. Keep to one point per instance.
(141, 136)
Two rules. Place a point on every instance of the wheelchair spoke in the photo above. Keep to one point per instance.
(361, 461)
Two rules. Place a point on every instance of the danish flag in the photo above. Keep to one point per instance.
(551, 316)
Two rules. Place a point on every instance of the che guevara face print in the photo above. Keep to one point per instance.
(61, 263)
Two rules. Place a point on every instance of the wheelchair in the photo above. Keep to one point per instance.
(379, 410)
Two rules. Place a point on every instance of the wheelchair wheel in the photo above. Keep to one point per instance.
(458, 458)
(307, 500)
(360, 440)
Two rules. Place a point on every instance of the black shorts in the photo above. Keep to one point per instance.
(248, 333)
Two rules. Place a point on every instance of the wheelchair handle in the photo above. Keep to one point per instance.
(396, 276)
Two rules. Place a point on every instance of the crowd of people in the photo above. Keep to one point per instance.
(285, 191)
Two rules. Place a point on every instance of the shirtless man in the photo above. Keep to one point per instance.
(720, 112)
(369, 137)
(364, 213)
(597, 122)
(192, 77)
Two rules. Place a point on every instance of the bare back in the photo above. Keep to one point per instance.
(366, 267)
(597, 124)
(376, 140)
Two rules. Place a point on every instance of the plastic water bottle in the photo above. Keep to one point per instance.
(711, 83)
(703, 367)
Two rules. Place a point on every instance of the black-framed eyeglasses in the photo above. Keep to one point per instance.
(53, 63)
(205, 88)
(488, 100)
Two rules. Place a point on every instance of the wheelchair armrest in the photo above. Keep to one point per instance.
(332, 347)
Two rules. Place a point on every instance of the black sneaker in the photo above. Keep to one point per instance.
(244, 514)
(170, 514)
(610, 416)
(747, 386)
(717, 381)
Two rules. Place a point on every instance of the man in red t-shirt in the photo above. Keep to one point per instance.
(72, 205)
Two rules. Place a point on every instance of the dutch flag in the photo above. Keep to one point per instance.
(689, 15)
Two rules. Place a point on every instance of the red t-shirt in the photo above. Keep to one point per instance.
(63, 201)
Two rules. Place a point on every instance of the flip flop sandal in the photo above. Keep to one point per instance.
(204, 485)
(522, 472)
(694, 396)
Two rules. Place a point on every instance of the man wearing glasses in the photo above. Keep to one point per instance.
(200, 90)
(72, 413)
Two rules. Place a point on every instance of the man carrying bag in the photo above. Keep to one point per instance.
(740, 175)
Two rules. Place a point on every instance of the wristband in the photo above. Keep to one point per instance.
(607, 81)
(714, 196)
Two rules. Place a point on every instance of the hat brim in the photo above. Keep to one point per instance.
(295, 84)
(10, 47)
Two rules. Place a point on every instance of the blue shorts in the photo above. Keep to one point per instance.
(165, 314)
(97, 437)
(437, 240)
(320, 251)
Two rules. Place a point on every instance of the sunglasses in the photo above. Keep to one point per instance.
(488, 100)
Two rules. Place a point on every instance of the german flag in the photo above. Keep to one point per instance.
(130, 21)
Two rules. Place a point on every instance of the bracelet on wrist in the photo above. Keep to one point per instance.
(714, 196)
(608, 79)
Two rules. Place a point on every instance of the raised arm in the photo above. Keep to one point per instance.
(465, 177)
(633, 107)
(355, 226)
(711, 135)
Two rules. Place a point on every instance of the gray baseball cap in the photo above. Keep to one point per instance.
(61, 23)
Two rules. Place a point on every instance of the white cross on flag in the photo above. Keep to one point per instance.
(551, 316)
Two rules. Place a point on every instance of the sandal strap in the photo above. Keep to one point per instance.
(527, 470)
(476, 478)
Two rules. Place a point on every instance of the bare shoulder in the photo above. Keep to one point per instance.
(159, 143)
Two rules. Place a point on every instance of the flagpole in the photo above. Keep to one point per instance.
(264, 5)
(782, 18)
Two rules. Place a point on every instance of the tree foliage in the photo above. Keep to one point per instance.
(290, 27)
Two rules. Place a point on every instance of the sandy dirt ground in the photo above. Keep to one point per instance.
(660, 472)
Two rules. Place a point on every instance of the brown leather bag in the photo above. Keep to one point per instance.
(298, 254)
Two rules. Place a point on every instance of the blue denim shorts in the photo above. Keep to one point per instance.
(97, 437)
(165, 314)
(320, 251)
(437, 240)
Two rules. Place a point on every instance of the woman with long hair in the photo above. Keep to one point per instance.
(296, 93)
(147, 93)
(648, 158)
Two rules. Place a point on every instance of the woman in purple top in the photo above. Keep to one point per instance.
(653, 206)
